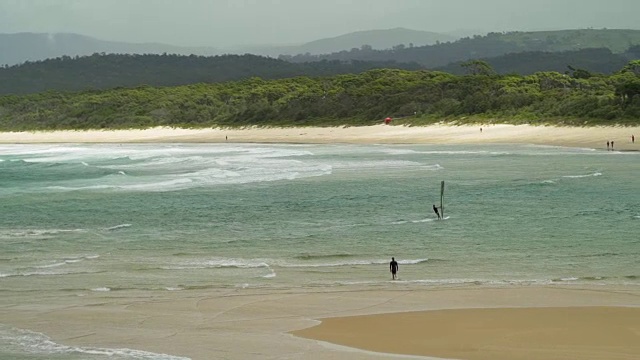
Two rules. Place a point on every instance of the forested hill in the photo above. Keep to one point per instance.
(601, 60)
(413, 97)
(104, 71)
(489, 46)
(110, 71)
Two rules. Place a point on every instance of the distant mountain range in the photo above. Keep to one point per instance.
(584, 51)
(377, 39)
(618, 41)
(22, 47)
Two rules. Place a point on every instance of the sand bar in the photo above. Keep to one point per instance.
(259, 323)
(492, 334)
(588, 137)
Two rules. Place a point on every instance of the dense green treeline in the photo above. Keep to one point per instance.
(105, 71)
(414, 97)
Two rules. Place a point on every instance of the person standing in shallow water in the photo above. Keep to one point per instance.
(393, 267)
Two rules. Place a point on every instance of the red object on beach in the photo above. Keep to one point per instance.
(387, 120)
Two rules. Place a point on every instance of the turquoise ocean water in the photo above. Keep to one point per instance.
(76, 219)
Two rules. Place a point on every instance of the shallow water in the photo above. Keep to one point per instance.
(78, 219)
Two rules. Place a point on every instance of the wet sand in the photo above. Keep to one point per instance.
(492, 334)
(582, 323)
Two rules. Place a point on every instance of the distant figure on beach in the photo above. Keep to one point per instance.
(393, 267)
(226, 138)
(435, 210)
(633, 139)
(611, 144)
(480, 129)
(607, 145)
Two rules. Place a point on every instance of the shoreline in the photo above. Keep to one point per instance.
(262, 323)
(238, 322)
(592, 137)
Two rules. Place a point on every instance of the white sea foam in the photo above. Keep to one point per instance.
(582, 176)
(363, 262)
(489, 282)
(67, 261)
(51, 265)
(36, 232)
(37, 343)
(269, 263)
(177, 172)
(219, 263)
(117, 227)
(101, 289)
(42, 273)
(403, 222)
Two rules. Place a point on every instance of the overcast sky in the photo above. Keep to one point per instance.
(222, 23)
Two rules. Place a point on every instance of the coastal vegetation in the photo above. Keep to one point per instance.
(524, 53)
(411, 97)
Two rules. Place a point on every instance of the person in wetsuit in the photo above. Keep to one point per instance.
(393, 267)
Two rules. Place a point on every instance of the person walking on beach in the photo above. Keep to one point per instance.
(435, 210)
(393, 267)
(633, 139)
(607, 145)
(611, 145)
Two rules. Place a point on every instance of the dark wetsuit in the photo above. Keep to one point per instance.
(435, 209)
(393, 266)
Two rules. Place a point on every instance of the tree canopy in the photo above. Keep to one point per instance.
(105, 71)
(412, 97)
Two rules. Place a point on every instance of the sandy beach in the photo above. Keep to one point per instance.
(500, 323)
(485, 334)
(592, 137)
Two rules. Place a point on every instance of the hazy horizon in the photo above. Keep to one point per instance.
(229, 23)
